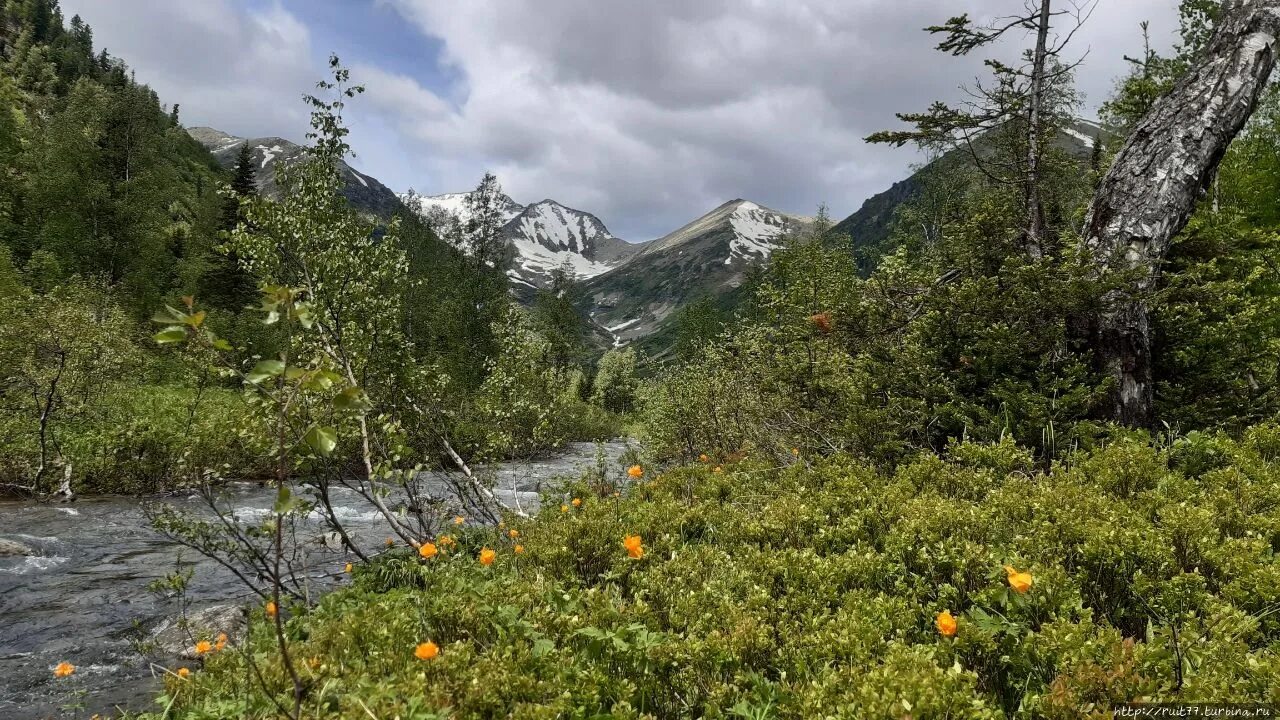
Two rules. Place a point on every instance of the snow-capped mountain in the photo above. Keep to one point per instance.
(364, 193)
(545, 236)
(454, 204)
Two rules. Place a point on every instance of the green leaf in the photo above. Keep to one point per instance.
(265, 369)
(169, 316)
(542, 647)
(322, 439)
(285, 501)
(352, 399)
(171, 334)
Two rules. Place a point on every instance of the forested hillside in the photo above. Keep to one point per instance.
(110, 211)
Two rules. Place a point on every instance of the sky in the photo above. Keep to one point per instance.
(647, 113)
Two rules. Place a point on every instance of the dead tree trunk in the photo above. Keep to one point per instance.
(1157, 178)
(1031, 183)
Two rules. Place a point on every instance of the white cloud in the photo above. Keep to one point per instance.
(240, 71)
(649, 113)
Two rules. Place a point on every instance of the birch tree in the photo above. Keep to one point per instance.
(1163, 169)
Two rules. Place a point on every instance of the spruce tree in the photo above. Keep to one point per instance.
(226, 284)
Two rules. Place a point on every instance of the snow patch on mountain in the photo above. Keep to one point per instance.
(269, 153)
(455, 204)
(756, 231)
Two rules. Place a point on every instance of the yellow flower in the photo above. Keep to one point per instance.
(427, 551)
(564, 508)
(63, 669)
(203, 647)
(718, 469)
(577, 502)
(1019, 581)
(426, 650)
(946, 623)
(220, 642)
(459, 520)
(703, 458)
(183, 673)
(795, 451)
(519, 549)
(271, 608)
(346, 568)
(487, 556)
(634, 546)
(446, 540)
(513, 533)
(635, 471)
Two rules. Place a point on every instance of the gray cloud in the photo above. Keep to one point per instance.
(646, 113)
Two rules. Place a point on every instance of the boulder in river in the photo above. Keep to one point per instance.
(177, 637)
(13, 548)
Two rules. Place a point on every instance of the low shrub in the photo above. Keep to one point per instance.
(812, 588)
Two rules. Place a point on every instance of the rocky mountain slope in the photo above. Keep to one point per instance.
(707, 257)
(364, 193)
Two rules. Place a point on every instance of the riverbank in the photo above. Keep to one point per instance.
(83, 596)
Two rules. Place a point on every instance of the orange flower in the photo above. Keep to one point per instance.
(446, 540)
(390, 542)
(946, 624)
(426, 650)
(64, 669)
(183, 673)
(427, 551)
(346, 568)
(487, 556)
(513, 533)
(1019, 581)
(703, 458)
(718, 469)
(635, 471)
(204, 646)
(564, 508)
(821, 321)
(220, 642)
(795, 451)
(458, 520)
(577, 502)
(519, 549)
(271, 608)
(634, 546)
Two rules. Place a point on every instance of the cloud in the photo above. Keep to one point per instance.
(242, 71)
(647, 113)
(650, 113)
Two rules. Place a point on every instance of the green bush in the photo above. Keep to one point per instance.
(809, 587)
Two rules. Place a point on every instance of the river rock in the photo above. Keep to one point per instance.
(177, 638)
(13, 548)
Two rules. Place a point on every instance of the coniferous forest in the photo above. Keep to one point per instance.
(1015, 453)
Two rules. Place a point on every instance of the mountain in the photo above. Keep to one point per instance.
(545, 236)
(454, 204)
(708, 257)
(869, 227)
(362, 191)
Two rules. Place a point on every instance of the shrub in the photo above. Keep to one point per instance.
(809, 588)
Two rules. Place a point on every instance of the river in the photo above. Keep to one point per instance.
(83, 596)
